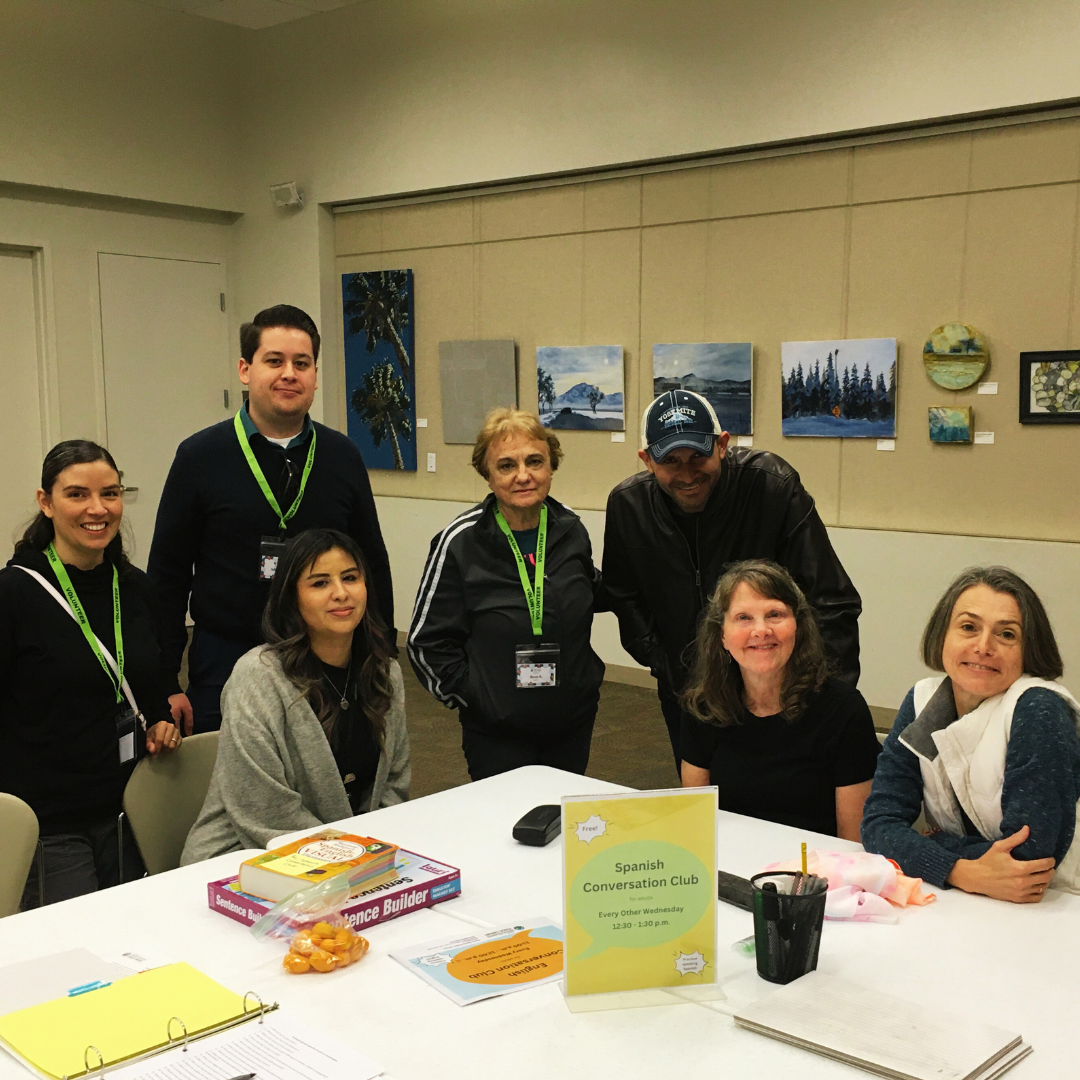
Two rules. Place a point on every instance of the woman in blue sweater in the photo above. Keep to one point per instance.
(990, 752)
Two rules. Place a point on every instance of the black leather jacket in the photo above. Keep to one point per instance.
(471, 614)
(658, 586)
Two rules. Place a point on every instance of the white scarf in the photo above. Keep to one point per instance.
(963, 761)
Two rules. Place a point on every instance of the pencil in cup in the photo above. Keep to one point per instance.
(787, 925)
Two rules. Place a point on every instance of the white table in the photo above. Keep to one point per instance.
(1017, 966)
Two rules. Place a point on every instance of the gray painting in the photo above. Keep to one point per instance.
(476, 377)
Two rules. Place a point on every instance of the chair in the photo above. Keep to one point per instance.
(164, 796)
(18, 842)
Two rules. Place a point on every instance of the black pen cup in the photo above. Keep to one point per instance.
(789, 909)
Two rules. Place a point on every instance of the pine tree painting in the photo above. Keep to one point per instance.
(377, 313)
(839, 389)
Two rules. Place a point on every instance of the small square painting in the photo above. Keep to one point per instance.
(1050, 387)
(722, 372)
(949, 425)
(844, 389)
(580, 387)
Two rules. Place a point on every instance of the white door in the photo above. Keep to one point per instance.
(20, 434)
(165, 345)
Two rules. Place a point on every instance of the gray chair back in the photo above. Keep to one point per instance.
(164, 796)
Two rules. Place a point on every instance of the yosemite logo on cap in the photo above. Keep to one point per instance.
(678, 415)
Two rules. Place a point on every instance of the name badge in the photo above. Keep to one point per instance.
(537, 666)
(271, 550)
(126, 726)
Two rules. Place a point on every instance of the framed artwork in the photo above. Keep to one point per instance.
(951, 425)
(580, 387)
(380, 381)
(721, 372)
(1050, 387)
(839, 389)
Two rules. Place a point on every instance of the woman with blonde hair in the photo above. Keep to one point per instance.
(502, 623)
(765, 721)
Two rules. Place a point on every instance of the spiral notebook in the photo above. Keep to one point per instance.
(71, 1037)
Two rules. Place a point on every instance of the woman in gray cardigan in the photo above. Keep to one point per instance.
(313, 723)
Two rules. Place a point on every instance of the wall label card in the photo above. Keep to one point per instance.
(639, 879)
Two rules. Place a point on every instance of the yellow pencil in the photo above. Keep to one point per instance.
(804, 858)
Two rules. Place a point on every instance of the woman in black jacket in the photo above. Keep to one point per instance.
(82, 692)
(502, 623)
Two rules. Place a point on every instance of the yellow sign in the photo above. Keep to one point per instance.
(640, 890)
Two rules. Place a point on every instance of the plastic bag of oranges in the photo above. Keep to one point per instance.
(323, 948)
(311, 922)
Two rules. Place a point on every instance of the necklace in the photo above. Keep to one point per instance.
(344, 691)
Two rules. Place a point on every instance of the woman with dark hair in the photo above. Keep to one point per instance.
(763, 718)
(313, 723)
(989, 751)
(82, 692)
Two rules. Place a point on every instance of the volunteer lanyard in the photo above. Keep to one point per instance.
(256, 471)
(84, 625)
(534, 595)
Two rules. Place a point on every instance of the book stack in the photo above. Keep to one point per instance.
(414, 883)
(882, 1034)
(277, 874)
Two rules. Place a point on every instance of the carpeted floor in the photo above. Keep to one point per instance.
(630, 742)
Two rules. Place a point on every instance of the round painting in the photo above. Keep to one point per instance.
(955, 356)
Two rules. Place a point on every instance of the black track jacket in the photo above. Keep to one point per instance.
(759, 510)
(471, 614)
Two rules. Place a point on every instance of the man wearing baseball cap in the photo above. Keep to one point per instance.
(672, 531)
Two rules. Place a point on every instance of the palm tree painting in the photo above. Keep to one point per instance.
(382, 403)
(377, 313)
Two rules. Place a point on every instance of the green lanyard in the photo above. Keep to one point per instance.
(534, 596)
(256, 471)
(61, 573)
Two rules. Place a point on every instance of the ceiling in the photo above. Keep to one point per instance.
(252, 14)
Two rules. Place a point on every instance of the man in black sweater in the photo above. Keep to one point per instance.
(236, 492)
(671, 532)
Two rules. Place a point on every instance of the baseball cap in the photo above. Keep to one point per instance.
(679, 418)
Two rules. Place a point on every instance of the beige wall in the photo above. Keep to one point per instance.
(416, 94)
(393, 96)
(120, 98)
(877, 241)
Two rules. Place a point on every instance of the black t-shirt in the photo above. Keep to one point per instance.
(351, 739)
(526, 542)
(772, 768)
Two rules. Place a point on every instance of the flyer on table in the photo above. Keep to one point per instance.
(640, 890)
(483, 965)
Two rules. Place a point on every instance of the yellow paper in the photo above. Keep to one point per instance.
(123, 1020)
(640, 884)
(297, 865)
